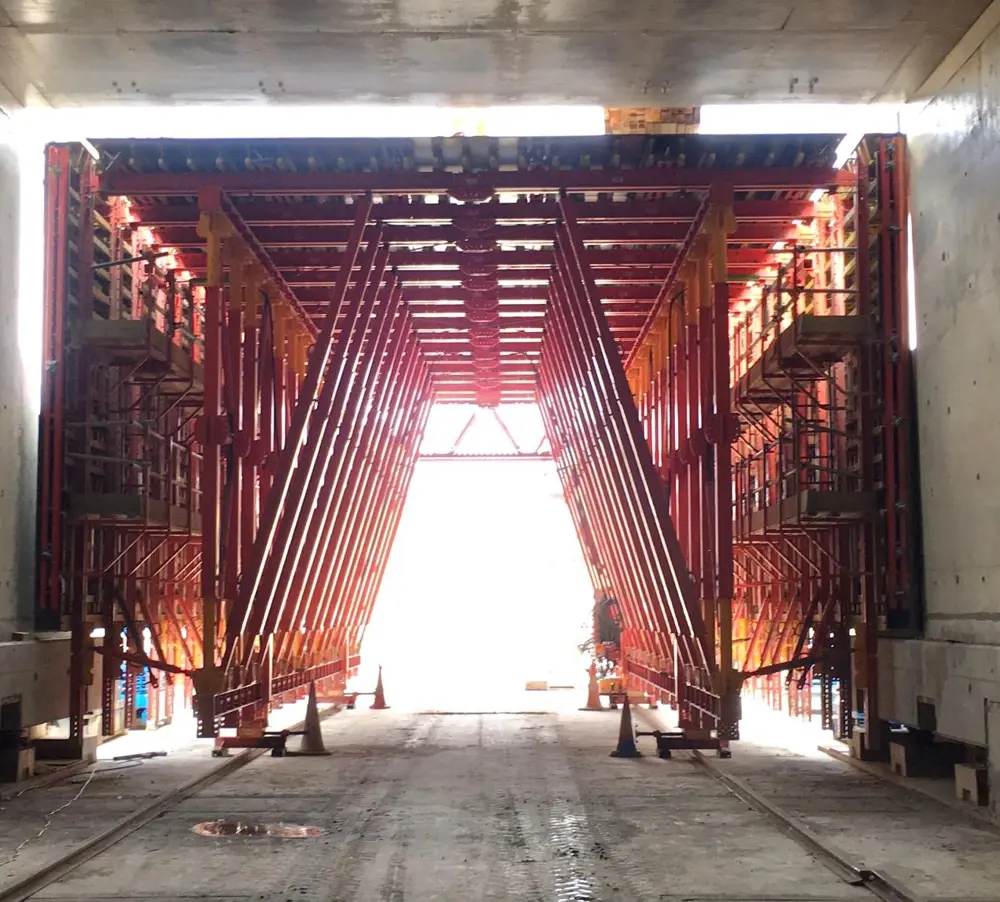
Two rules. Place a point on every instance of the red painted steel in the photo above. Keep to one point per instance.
(234, 407)
(269, 548)
(478, 185)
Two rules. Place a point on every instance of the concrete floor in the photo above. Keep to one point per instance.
(521, 806)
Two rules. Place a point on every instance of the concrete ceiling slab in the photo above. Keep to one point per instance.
(611, 52)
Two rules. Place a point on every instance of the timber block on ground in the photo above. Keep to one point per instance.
(909, 759)
(859, 749)
(972, 784)
(17, 765)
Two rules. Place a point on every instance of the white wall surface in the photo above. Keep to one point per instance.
(955, 186)
(18, 409)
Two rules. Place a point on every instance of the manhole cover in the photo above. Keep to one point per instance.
(223, 827)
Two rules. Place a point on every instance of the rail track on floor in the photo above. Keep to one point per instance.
(880, 885)
(28, 886)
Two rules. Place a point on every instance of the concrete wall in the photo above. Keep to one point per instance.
(955, 184)
(18, 412)
(37, 673)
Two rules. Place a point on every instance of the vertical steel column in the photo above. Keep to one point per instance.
(53, 380)
(210, 486)
(721, 434)
(252, 408)
(706, 372)
(865, 663)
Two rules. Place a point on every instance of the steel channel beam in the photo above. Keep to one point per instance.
(233, 214)
(378, 449)
(364, 517)
(575, 406)
(368, 441)
(668, 284)
(464, 184)
(584, 534)
(356, 448)
(232, 492)
(293, 454)
(253, 693)
(452, 278)
(342, 456)
(416, 265)
(211, 473)
(611, 526)
(247, 437)
(723, 488)
(706, 376)
(380, 555)
(650, 587)
(333, 418)
(642, 473)
(525, 295)
(408, 236)
(379, 503)
(329, 415)
(604, 488)
(310, 213)
(53, 402)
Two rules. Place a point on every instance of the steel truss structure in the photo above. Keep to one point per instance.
(244, 342)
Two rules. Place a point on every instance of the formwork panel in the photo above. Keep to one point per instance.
(247, 366)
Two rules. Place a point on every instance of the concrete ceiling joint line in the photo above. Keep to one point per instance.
(961, 53)
(8, 102)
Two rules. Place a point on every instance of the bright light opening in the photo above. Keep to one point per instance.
(796, 118)
(486, 588)
(280, 122)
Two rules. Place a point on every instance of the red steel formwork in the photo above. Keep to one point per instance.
(245, 341)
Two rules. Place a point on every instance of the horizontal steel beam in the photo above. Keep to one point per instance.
(484, 458)
(627, 324)
(252, 693)
(445, 278)
(416, 264)
(643, 233)
(461, 184)
(511, 300)
(310, 213)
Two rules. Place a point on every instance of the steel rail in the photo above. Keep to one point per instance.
(51, 873)
(832, 858)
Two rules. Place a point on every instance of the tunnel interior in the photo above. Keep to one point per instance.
(245, 341)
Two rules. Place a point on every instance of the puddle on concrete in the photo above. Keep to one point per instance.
(249, 829)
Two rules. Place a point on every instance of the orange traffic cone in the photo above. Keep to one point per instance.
(626, 737)
(379, 703)
(593, 692)
(312, 737)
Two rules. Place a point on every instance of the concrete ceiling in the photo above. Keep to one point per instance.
(612, 52)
